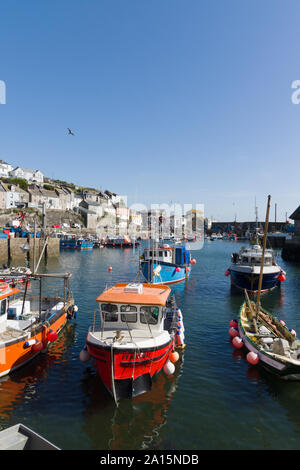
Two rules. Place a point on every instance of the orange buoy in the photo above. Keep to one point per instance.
(174, 356)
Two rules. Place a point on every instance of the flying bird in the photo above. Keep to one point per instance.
(70, 132)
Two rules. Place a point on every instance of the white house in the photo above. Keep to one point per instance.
(5, 168)
(30, 175)
(77, 200)
(12, 197)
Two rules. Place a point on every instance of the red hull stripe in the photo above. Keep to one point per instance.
(131, 363)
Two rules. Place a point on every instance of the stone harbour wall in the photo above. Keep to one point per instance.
(10, 249)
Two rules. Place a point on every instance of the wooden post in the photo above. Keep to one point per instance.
(263, 256)
(34, 245)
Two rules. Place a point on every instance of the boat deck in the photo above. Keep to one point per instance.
(137, 337)
(11, 333)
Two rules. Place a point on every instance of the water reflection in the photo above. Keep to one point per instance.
(134, 424)
(22, 385)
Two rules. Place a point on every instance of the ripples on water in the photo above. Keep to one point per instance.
(213, 401)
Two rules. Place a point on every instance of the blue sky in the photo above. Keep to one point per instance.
(184, 101)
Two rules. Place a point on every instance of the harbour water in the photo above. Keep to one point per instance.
(215, 400)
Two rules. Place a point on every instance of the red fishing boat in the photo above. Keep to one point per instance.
(140, 327)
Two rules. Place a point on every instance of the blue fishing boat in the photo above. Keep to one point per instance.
(70, 243)
(245, 269)
(84, 244)
(166, 264)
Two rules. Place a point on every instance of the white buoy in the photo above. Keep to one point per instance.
(169, 368)
(84, 355)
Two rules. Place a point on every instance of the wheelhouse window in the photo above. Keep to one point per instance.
(130, 316)
(149, 315)
(109, 312)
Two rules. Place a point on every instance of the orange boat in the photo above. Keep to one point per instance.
(138, 333)
(28, 323)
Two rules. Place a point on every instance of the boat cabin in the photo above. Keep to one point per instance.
(178, 255)
(7, 294)
(252, 257)
(133, 306)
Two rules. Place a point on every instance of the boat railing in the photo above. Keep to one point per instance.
(171, 316)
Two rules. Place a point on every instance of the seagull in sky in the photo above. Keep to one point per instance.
(70, 132)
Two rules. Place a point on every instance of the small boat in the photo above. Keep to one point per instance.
(69, 242)
(28, 323)
(140, 327)
(82, 244)
(14, 275)
(166, 264)
(272, 345)
(267, 339)
(97, 244)
(19, 437)
(244, 270)
(120, 242)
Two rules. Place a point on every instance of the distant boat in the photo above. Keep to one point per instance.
(120, 242)
(136, 339)
(69, 242)
(82, 244)
(245, 269)
(166, 264)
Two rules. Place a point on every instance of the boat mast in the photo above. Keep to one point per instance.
(256, 223)
(263, 256)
